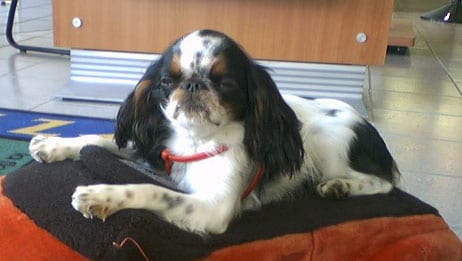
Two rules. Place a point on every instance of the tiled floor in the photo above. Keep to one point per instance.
(416, 100)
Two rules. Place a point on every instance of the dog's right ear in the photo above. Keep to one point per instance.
(140, 118)
(124, 124)
(131, 112)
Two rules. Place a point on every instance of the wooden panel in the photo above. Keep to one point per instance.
(401, 33)
(293, 30)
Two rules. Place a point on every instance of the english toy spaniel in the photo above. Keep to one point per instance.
(233, 142)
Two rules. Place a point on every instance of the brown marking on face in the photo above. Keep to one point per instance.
(179, 95)
(219, 67)
(175, 65)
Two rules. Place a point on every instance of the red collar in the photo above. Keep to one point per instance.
(169, 159)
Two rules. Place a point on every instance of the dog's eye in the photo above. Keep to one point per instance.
(227, 83)
(165, 82)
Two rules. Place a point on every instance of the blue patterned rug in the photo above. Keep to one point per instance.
(18, 127)
(24, 125)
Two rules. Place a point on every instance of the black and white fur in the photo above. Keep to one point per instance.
(205, 92)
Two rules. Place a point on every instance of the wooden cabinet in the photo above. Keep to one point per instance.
(321, 31)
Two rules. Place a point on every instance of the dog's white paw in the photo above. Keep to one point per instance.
(99, 201)
(49, 149)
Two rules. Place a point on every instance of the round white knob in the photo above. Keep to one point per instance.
(76, 22)
(361, 38)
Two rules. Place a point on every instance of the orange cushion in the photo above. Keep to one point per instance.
(22, 239)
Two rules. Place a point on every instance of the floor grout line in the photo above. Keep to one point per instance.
(426, 139)
(440, 62)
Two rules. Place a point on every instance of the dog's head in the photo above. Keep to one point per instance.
(203, 81)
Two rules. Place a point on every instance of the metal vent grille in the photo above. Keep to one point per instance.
(109, 67)
(318, 80)
(98, 68)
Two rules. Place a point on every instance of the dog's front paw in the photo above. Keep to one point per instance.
(334, 189)
(95, 201)
(49, 149)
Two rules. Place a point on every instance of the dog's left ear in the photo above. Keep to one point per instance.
(272, 134)
(124, 124)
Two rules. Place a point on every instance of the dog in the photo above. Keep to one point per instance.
(216, 121)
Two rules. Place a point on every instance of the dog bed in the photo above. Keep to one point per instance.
(37, 222)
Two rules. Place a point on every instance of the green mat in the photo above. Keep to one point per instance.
(17, 127)
(13, 155)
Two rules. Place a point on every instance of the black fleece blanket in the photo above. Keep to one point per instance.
(43, 192)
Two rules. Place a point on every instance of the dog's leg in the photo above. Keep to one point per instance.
(187, 211)
(51, 149)
(355, 184)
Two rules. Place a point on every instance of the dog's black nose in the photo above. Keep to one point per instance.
(193, 85)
